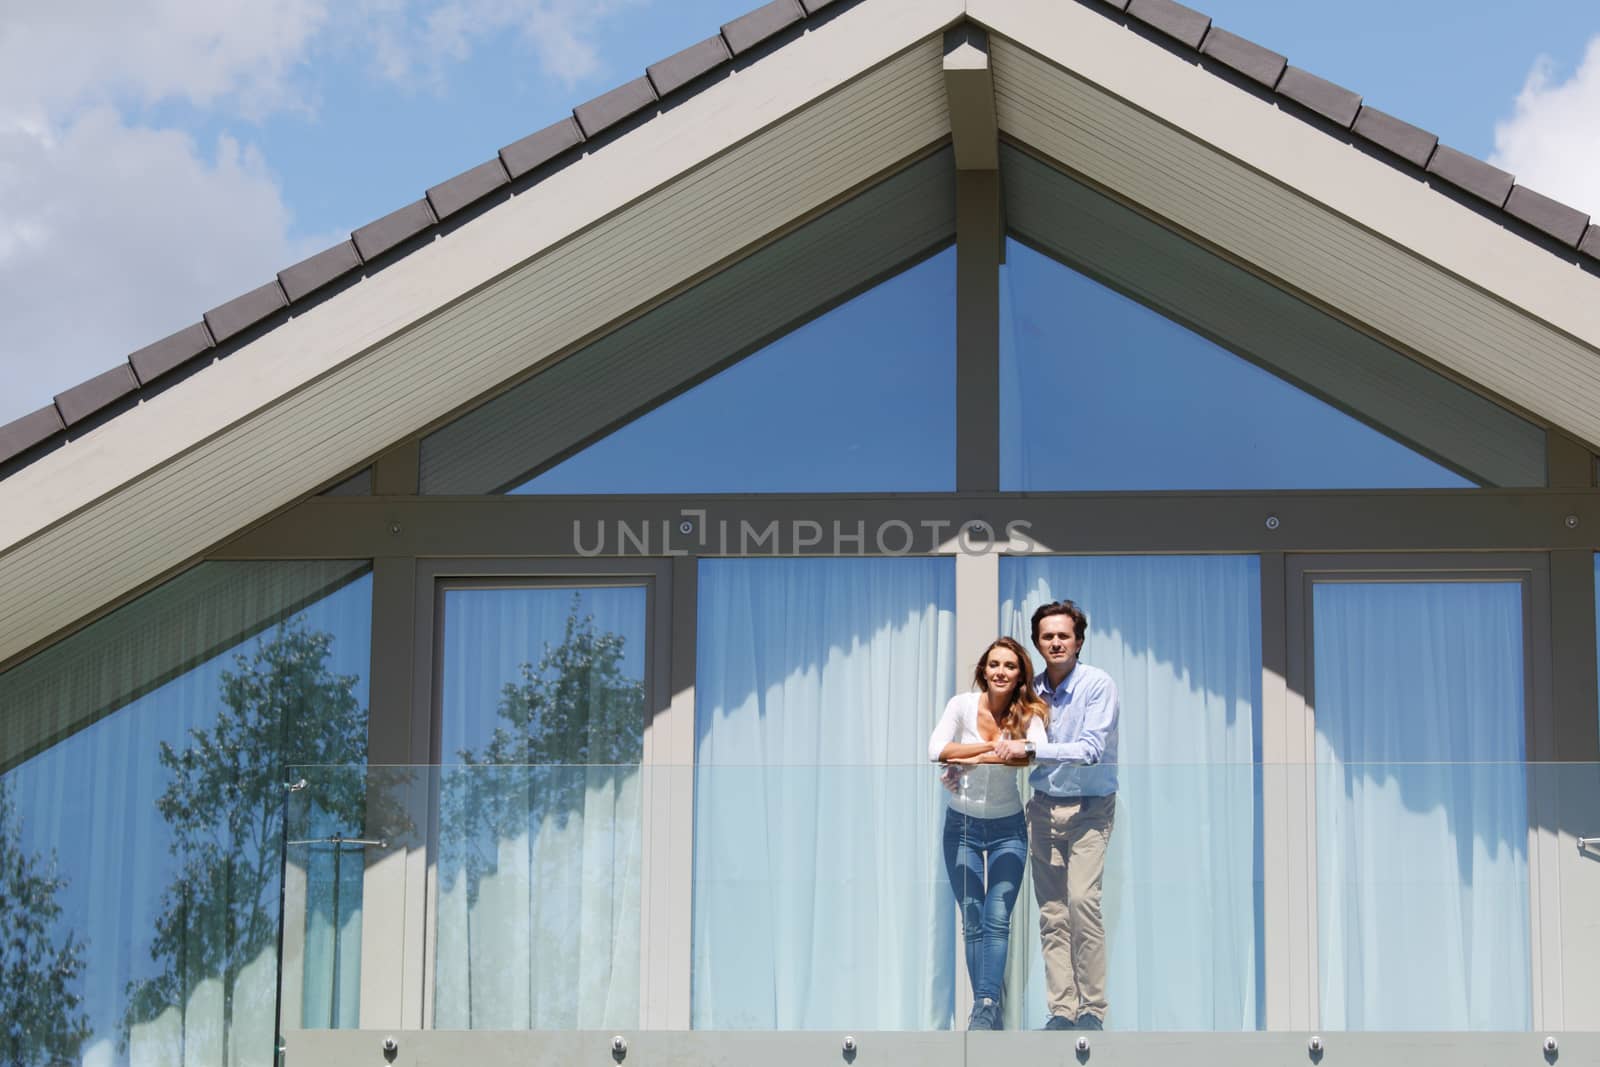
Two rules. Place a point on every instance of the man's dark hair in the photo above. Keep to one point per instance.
(1080, 621)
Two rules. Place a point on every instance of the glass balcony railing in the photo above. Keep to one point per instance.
(1232, 899)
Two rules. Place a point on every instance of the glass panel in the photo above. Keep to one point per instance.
(830, 407)
(148, 822)
(573, 402)
(1147, 404)
(1422, 817)
(1180, 636)
(358, 484)
(815, 684)
(543, 702)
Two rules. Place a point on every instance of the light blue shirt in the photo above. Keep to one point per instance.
(1080, 758)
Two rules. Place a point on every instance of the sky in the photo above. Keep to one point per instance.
(158, 157)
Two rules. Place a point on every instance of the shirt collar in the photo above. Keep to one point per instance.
(1042, 683)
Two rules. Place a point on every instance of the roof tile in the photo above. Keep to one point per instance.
(243, 312)
(1411, 143)
(768, 20)
(1333, 102)
(19, 435)
(170, 353)
(1471, 175)
(1590, 245)
(1120, 5)
(1546, 215)
(1259, 64)
(312, 273)
(539, 148)
(453, 194)
(681, 68)
(608, 109)
(1173, 19)
(86, 398)
(380, 235)
(813, 6)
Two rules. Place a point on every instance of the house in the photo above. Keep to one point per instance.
(518, 626)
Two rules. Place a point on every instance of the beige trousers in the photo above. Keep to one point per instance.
(1067, 842)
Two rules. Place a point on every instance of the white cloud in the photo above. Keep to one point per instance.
(1552, 140)
(58, 54)
(116, 233)
(418, 42)
(128, 234)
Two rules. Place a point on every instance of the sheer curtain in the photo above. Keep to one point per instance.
(820, 898)
(539, 808)
(168, 866)
(1422, 823)
(1181, 637)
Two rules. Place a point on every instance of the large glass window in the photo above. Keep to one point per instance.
(833, 407)
(806, 366)
(142, 812)
(542, 711)
(1181, 637)
(1422, 817)
(1099, 392)
(1134, 358)
(820, 897)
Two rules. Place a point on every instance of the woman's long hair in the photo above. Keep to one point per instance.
(1025, 705)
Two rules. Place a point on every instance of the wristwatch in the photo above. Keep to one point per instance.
(1028, 750)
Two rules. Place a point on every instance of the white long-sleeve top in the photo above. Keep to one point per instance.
(988, 791)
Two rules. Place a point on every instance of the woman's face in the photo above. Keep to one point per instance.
(1001, 671)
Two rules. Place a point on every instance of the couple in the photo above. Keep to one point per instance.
(1063, 722)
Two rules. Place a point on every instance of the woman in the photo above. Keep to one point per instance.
(985, 819)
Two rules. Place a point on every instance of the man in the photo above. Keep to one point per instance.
(1070, 815)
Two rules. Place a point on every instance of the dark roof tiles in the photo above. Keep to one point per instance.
(313, 272)
(1173, 19)
(101, 391)
(1548, 216)
(243, 312)
(170, 353)
(1333, 102)
(34, 428)
(1260, 65)
(608, 109)
(449, 197)
(539, 148)
(376, 238)
(1411, 143)
(1590, 245)
(1471, 175)
(766, 21)
(681, 68)
(515, 161)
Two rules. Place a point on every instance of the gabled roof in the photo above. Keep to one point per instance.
(221, 329)
(713, 154)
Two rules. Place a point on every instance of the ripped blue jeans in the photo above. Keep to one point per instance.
(985, 897)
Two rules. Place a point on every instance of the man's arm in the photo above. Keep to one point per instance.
(1099, 722)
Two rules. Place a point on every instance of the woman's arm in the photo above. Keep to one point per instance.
(942, 744)
(988, 757)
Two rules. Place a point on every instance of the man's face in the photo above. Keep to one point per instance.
(1058, 643)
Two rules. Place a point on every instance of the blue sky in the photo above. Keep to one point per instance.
(160, 156)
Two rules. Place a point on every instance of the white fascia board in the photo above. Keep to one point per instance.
(1379, 197)
(329, 335)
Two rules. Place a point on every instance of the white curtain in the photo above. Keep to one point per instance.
(539, 879)
(1422, 890)
(153, 673)
(1181, 637)
(820, 898)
